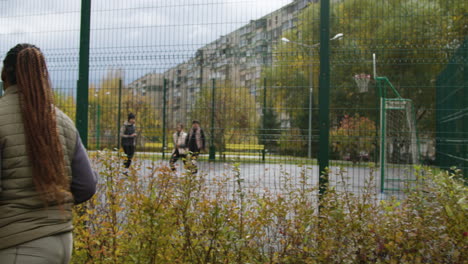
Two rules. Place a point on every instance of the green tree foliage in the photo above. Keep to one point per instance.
(292, 142)
(290, 85)
(412, 39)
(288, 96)
(353, 135)
(270, 130)
(235, 115)
(106, 98)
(66, 103)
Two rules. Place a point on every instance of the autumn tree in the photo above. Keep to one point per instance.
(270, 129)
(412, 39)
(353, 135)
(104, 122)
(66, 103)
(235, 114)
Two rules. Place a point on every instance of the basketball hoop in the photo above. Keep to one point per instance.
(362, 81)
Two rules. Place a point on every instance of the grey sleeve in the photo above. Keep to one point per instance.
(122, 132)
(84, 179)
(1, 166)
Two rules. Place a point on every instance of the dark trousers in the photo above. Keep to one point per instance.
(176, 156)
(129, 151)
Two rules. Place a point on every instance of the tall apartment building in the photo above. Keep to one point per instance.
(150, 85)
(237, 57)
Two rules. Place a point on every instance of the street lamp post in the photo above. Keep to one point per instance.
(311, 83)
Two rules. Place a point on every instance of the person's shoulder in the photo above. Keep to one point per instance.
(64, 118)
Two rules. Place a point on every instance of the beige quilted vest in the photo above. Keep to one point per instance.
(23, 216)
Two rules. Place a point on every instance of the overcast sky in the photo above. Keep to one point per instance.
(138, 36)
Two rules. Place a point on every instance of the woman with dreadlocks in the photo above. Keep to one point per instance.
(44, 167)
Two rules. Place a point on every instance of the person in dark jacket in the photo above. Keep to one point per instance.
(196, 143)
(44, 166)
(128, 135)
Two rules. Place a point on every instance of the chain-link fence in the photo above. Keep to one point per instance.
(251, 73)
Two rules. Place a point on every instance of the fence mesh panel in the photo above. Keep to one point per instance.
(451, 112)
(248, 70)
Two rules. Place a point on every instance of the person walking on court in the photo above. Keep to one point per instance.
(196, 143)
(44, 166)
(128, 135)
(180, 148)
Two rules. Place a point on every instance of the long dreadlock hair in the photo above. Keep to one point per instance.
(25, 66)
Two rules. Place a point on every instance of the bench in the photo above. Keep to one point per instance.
(244, 147)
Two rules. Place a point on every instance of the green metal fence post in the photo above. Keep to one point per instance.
(164, 118)
(119, 110)
(264, 115)
(98, 126)
(381, 85)
(324, 95)
(83, 75)
(212, 155)
(382, 134)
